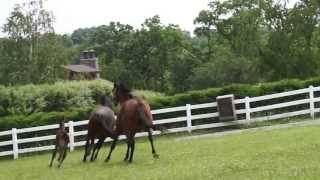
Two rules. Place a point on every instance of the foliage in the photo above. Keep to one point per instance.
(61, 96)
(44, 118)
(224, 70)
(144, 58)
(239, 90)
(271, 37)
(32, 52)
(234, 42)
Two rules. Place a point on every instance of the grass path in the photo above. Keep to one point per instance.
(292, 153)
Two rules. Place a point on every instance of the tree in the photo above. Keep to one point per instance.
(226, 69)
(154, 49)
(28, 22)
(110, 40)
(289, 52)
(32, 51)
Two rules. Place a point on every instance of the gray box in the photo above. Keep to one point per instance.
(226, 108)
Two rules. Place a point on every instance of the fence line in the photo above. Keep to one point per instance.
(248, 111)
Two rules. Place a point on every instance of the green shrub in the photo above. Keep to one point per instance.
(239, 90)
(61, 96)
(44, 118)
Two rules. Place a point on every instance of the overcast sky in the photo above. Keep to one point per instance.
(74, 14)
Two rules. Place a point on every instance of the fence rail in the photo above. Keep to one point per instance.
(189, 117)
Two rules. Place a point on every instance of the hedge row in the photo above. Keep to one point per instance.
(239, 90)
(43, 118)
(74, 101)
(61, 96)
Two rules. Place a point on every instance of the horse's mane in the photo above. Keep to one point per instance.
(128, 92)
(141, 100)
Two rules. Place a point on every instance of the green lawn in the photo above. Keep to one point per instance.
(278, 154)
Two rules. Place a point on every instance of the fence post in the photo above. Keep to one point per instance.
(15, 143)
(247, 104)
(71, 135)
(311, 97)
(189, 122)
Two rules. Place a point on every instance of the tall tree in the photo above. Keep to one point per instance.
(289, 52)
(30, 43)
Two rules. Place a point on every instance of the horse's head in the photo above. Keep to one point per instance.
(120, 92)
(105, 101)
(61, 124)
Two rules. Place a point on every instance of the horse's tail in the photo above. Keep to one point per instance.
(147, 118)
(108, 129)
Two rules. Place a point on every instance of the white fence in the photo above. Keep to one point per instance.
(249, 110)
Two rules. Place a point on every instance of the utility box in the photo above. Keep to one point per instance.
(226, 108)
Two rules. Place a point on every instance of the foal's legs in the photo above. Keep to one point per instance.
(113, 145)
(63, 155)
(155, 155)
(53, 156)
(60, 154)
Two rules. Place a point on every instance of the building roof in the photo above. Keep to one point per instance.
(80, 68)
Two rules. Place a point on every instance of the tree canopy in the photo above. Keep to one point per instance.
(236, 41)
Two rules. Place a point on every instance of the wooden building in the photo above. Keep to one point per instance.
(87, 69)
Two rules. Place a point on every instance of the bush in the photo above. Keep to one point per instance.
(239, 90)
(44, 118)
(61, 96)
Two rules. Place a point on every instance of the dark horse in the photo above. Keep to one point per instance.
(134, 115)
(101, 123)
(61, 144)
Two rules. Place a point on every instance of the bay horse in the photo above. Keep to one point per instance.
(134, 115)
(61, 144)
(101, 123)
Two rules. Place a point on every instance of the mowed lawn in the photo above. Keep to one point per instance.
(278, 154)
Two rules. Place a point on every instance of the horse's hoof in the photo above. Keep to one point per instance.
(107, 160)
(156, 156)
(125, 159)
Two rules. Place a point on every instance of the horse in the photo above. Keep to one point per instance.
(101, 124)
(134, 115)
(61, 144)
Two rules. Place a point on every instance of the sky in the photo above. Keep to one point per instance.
(73, 14)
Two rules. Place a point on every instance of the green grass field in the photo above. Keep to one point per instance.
(278, 154)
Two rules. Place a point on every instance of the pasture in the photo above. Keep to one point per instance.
(278, 154)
